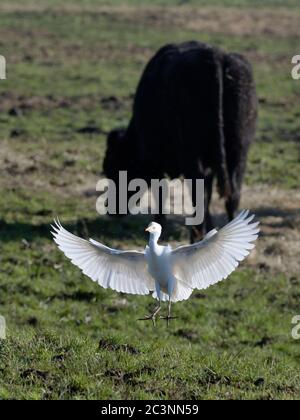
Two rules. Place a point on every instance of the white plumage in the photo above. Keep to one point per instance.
(170, 274)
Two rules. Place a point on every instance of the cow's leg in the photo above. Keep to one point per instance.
(161, 219)
(208, 182)
(232, 204)
(197, 231)
(208, 189)
(236, 174)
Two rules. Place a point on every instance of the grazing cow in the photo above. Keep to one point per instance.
(194, 115)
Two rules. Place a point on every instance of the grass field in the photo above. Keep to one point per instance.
(72, 68)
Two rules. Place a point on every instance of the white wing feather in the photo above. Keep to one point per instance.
(123, 271)
(207, 262)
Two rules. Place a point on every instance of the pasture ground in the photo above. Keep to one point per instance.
(72, 68)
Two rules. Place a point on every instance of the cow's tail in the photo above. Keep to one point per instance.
(223, 182)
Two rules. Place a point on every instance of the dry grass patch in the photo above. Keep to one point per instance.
(279, 22)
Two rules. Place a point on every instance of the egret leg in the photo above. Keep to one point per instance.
(153, 316)
(169, 317)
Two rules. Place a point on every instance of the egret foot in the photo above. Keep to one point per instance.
(151, 317)
(168, 318)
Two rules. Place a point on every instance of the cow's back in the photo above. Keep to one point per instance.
(175, 111)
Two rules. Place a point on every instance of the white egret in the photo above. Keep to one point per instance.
(171, 275)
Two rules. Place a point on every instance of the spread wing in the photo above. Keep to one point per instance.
(207, 262)
(123, 271)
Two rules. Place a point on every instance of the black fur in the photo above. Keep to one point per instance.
(194, 115)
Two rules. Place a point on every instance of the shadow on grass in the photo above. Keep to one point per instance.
(127, 228)
(111, 228)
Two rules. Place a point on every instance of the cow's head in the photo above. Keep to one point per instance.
(116, 156)
(120, 156)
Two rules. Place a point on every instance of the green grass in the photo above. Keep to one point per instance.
(70, 339)
(67, 337)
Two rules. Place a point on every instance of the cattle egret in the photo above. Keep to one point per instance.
(171, 275)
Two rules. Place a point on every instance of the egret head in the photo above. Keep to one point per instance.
(154, 228)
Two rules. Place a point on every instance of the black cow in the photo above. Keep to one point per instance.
(194, 115)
